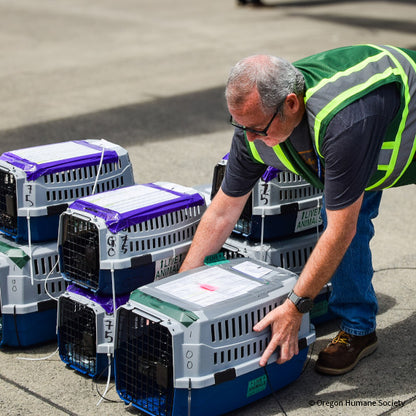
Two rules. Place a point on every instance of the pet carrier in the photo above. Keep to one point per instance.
(29, 310)
(185, 345)
(86, 330)
(129, 236)
(290, 254)
(281, 205)
(38, 183)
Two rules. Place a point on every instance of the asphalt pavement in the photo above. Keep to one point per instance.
(149, 75)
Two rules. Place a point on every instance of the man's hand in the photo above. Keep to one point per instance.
(285, 323)
(285, 320)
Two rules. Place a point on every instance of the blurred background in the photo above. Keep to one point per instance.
(149, 75)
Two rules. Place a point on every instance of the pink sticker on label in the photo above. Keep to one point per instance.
(208, 287)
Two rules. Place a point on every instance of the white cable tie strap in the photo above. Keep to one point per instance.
(113, 286)
(45, 280)
(29, 238)
(108, 379)
(38, 359)
(98, 172)
(263, 252)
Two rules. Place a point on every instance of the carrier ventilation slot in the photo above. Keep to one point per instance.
(166, 240)
(240, 325)
(87, 172)
(295, 258)
(298, 193)
(82, 191)
(240, 353)
(52, 287)
(170, 219)
(44, 265)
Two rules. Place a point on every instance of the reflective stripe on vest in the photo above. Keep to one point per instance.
(395, 157)
(278, 152)
(330, 95)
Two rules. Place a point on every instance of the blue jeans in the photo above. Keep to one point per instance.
(353, 298)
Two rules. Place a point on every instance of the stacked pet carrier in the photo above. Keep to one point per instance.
(29, 280)
(86, 330)
(185, 345)
(282, 205)
(109, 245)
(280, 225)
(36, 185)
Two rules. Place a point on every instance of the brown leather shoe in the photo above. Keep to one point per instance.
(344, 351)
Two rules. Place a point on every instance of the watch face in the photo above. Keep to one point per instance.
(305, 305)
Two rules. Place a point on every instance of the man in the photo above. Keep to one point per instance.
(345, 120)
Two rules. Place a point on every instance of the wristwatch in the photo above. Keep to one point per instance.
(303, 305)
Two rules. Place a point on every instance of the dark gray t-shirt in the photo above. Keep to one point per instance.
(350, 148)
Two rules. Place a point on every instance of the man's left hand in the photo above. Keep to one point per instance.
(285, 323)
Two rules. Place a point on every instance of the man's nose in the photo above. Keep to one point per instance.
(251, 136)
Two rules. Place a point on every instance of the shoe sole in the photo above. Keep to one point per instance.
(338, 371)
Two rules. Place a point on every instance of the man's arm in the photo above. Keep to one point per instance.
(214, 228)
(285, 320)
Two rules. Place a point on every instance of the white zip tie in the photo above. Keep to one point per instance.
(263, 251)
(46, 278)
(108, 380)
(108, 353)
(38, 359)
(98, 173)
(29, 237)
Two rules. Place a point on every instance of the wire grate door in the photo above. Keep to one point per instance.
(77, 335)
(144, 363)
(8, 207)
(81, 251)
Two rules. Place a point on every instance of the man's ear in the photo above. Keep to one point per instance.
(292, 103)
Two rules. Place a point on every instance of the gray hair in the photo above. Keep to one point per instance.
(273, 77)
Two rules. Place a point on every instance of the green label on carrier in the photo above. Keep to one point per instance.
(257, 385)
(319, 309)
(183, 316)
(15, 254)
(215, 259)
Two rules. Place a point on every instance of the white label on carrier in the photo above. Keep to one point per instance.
(252, 269)
(209, 286)
(308, 218)
(131, 199)
(54, 152)
(167, 267)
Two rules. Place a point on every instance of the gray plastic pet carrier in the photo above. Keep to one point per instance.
(30, 283)
(185, 345)
(38, 183)
(281, 205)
(86, 330)
(291, 254)
(128, 237)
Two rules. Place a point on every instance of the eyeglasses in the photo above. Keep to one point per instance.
(257, 132)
